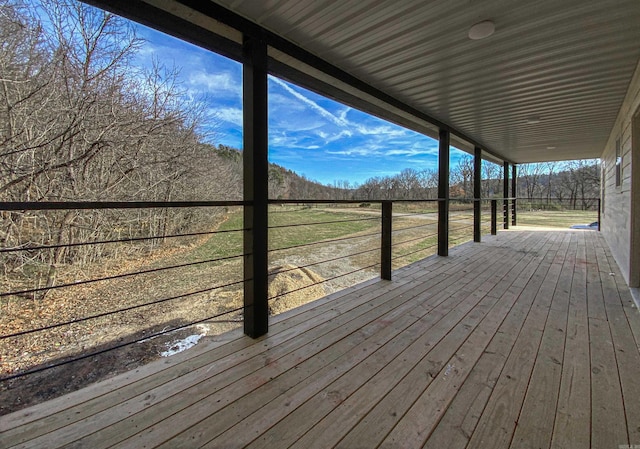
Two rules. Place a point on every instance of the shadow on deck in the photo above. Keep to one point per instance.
(529, 339)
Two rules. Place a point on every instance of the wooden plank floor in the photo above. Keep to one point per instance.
(527, 340)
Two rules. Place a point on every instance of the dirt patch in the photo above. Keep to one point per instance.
(291, 287)
(50, 383)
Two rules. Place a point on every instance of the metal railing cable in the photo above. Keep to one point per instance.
(127, 240)
(117, 346)
(118, 276)
(322, 223)
(323, 261)
(414, 227)
(412, 214)
(99, 205)
(400, 256)
(422, 237)
(24, 206)
(124, 309)
(340, 239)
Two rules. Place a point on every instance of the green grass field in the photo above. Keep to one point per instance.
(300, 230)
(556, 218)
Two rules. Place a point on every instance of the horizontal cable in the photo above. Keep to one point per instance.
(551, 200)
(413, 252)
(113, 312)
(101, 242)
(415, 227)
(118, 276)
(462, 220)
(275, 298)
(298, 201)
(416, 214)
(422, 237)
(460, 217)
(100, 205)
(118, 346)
(324, 241)
(85, 205)
(461, 227)
(324, 261)
(322, 223)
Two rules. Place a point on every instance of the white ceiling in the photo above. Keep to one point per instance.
(568, 62)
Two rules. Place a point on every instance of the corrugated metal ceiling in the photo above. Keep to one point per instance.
(568, 62)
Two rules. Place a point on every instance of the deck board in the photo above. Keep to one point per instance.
(528, 339)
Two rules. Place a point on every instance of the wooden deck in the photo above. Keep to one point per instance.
(527, 340)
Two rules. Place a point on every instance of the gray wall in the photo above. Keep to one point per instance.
(620, 224)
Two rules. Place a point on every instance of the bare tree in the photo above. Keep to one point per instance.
(531, 175)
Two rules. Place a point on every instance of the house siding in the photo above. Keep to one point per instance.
(619, 214)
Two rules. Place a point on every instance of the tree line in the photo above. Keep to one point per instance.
(576, 183)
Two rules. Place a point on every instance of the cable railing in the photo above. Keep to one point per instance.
(343, 241)
(576, 212)
(414, 232)
(70, 314)
(309, 258)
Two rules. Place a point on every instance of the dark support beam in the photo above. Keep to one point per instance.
(494, 217)
(514, 194)
(505, 194)
(256, 170)
(385, 252)
(443, 192)
(477, 192)
(168, 23)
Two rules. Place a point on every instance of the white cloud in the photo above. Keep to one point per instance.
(328, 138)
(357, 151)
(387, 131)
(223, 82)
(404, 152)
(230, 115)
(312, 104)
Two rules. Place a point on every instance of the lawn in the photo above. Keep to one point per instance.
(555, 218)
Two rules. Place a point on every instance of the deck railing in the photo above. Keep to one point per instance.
(559, 212)
(408, 230)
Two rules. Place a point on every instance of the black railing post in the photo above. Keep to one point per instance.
(255, 182)
(443, 193)
(494, 217)
(505, 194)
(477, 192)
(599, 213)
(514, 194)
(385, 247)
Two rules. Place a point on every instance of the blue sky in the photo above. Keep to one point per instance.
(309, 134)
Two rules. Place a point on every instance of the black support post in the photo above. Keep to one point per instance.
(477, 191)
(255, 174)
(385, 252)
(514, 194)
(505, 193)
(443, 193)
(494, 217)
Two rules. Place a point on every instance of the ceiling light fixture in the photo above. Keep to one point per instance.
(551, 148)
(482, 30)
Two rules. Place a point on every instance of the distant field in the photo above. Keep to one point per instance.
(556, 219)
